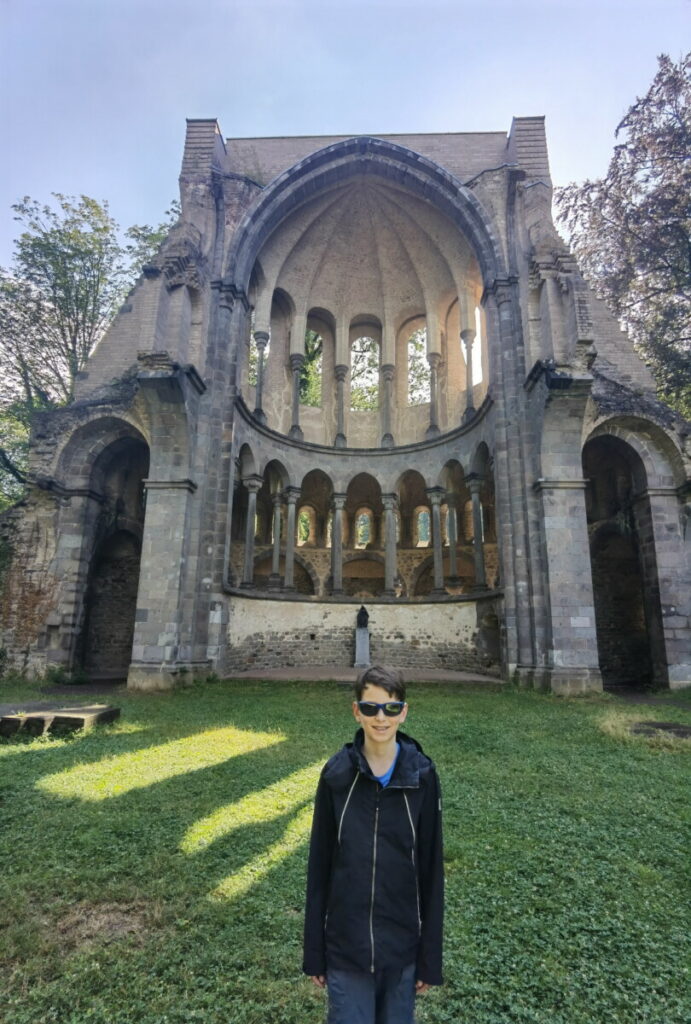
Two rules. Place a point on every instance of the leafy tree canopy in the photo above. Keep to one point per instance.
(631, 230)
(70, 272)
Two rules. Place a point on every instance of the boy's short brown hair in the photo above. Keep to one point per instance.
(390, 679)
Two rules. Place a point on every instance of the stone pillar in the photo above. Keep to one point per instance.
(341, 372)
(261, 340)
(453, 541)
(253, 484)
(297, 360)
(387, 372)
(573, 657)
(156, 645)
(433, 358)
(468, 337)
(435, 495)
(666, 565)
(292, 494)
(390, 501)
(275, 577)
(339, 501)
(474, 483)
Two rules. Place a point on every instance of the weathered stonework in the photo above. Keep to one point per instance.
(525, 511)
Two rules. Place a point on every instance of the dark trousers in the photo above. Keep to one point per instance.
(385, 997)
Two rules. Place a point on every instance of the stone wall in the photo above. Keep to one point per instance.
(266, 634)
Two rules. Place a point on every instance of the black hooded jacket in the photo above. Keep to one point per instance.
(375, 879)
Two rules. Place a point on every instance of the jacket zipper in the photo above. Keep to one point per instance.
(374, 869)
(345, 806)
(412, 855)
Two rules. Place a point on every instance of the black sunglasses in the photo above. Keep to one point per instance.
(392, 708)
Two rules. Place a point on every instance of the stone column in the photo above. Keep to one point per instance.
(666, 566)
(158, 621)
(253, 484)
(573, 659)
(389, 502)
(292, 494)
(433, 358)
(275, 577)
(453, 540)
(296, 362)
(339, 501)
(341, 372)
(468, 337)
(435, 495)
(387, 372)
(474, 483)
(261, 340)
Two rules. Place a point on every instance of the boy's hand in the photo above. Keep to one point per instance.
(319, 980)
(420, 987)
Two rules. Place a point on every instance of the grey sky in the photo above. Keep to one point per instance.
(94, 93)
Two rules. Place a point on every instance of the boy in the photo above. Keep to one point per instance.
(375, 880)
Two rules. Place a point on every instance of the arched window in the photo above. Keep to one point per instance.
(364, 374)
(418, 368)
(306, 526)
(422, 527)
(364, 528)
(311, 374)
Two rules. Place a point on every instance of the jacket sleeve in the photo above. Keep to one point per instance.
(431, 880)
(321, 853)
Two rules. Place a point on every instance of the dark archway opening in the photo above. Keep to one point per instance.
(627, 614)
(105, 647)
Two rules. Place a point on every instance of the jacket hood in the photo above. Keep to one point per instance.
(411, 761)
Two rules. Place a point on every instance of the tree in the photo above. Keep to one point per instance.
(631, 230)
(70, 273)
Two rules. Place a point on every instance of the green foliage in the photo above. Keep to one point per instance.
(364, 374)
(311, 373)
(418, 368)
(631, 230)
(566, 860)
(70, 273)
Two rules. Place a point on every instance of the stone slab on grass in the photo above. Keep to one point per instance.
(58, 719)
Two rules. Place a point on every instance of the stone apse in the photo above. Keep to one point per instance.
(359, 370)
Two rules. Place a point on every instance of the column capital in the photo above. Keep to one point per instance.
(339, 501)
(435, 494)
(261, 339)
(292, 494)
(502, 289)
(468, 334)
(390, 502)
(434, 359)
(296, 360)
(387, 371)
(341, 372)
(277, 498)
(474, 482)
(253, 483)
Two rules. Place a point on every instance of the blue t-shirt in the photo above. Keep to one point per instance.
(385, 779)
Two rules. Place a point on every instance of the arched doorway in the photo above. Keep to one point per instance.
(626, 595)
(105, 647)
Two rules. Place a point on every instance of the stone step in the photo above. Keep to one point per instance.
(58, 719)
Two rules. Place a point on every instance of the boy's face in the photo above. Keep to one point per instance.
(380, 728)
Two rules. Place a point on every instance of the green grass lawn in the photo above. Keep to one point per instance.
(152, 871)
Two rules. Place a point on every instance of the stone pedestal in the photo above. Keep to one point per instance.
(362, 658)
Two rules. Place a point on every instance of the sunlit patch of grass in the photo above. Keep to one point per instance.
(295, 835)
(617, 723)
(260, 806)
(141, 768)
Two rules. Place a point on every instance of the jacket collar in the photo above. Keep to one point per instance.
(406, 773)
